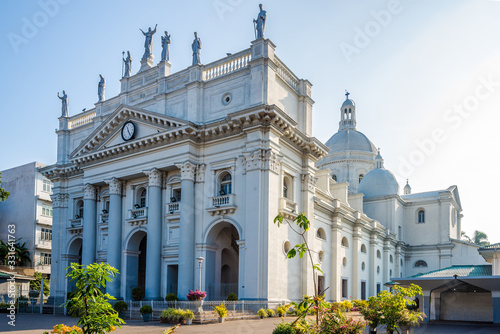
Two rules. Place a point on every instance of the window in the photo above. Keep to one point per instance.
(378, 288)
(363, 290)
(47, 186)
(344, 242)
(105, 207)
(334, 177)
(321, 285)
(421, 216)
(379, 255)
(46, 234)
(225, 184)
(79, 209)
(420, 264)
(344, 261)
(45, 259)
(361, 177)
(142, 198)
(391, 259)
(363, 248)
(344, 288)
(46, 210)
(378, 269)
(321, 234)
(176, 195)
(321, 256)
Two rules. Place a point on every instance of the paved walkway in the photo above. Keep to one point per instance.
(37, 324)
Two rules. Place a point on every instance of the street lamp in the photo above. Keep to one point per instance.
(200, 260)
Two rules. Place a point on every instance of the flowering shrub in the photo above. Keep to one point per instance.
(335, 322)
(196, 295)
(63, 329)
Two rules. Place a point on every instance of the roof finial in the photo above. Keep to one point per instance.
(347, 94)
(406, 181)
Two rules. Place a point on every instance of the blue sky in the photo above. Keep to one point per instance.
(425, 75)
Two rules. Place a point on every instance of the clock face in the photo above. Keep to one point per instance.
(128, 131)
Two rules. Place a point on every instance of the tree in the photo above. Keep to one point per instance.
(480, 238)
(465, 237)
(88, 302)
(21, 253)
(4, 194)
(37, 283)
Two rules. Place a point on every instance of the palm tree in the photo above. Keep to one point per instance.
(465, 237)
(21, 253)
(480, 238)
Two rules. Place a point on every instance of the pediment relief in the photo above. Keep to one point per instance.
(109, 133)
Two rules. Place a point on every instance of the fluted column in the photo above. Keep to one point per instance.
(153, 251)
(115, 233)
(89, 224)
(186, 233)
(57, 282)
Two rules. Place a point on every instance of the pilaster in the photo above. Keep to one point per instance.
(114, 233)
(89, 224)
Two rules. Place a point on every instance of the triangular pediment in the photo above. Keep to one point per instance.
(109, 133)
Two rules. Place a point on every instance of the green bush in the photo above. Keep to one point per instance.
(262, 313)
(284, 328)
(120, 306)
(188, 314)
(171, 297)
(146, 309)
(232, 297)
(137, 293)
(281, 310)
(270, 313)
(175, 315)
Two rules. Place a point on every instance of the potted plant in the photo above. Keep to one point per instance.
(171, 297)
(221, 311)
(270, 313)
(188, 315)
(262, 313)
(197, 297)
(232, 297)
(409, 319)
(281, 310)
(146, 312)
(120, 307)
(137, 294)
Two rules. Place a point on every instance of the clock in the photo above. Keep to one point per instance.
(128, 130)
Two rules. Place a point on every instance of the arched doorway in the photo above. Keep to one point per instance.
(222, 261)
(135, 262)
(74, 255)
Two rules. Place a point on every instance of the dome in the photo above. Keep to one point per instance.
(350, 140)
(379, 182)
(348, 103)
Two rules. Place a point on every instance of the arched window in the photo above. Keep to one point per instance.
(226, 184)
(379, 255)
(79, 209)
(321, 256)
(378, 269)
(421, 216)
(287, 188)
(391, 259)
(420, 264)
(344, 242)
(334, 177)
(142, 198)
(321, 234)
(361, 177)
(286, 247)
(363, 248)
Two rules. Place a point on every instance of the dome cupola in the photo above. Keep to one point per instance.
(407, 188)
(347, 114)
(379, 182)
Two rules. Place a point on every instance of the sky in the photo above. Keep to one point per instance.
(424, 74)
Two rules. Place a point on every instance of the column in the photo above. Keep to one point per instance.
(309, 277)
(386, 267)
(335, 280)
(89, 224)
(356, 283)
(199, 207)
(115, 234)
(154, 249)
(372, 285)
(186, 232)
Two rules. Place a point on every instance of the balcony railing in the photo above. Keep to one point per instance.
(288, 207)
(223, 204)
(104, 217)
(173, 208)
(77, 222)
(138, 216)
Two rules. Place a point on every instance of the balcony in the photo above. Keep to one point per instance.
(103, 218)
(172, 210)
(288, 208)
(138, 216)
(76, 226)
(222, 205)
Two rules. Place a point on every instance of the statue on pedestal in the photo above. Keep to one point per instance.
(148, 43)
(260, 23)
(100, 88)
(165, 44)
(64, 100)
(196, 46)
(128, 65)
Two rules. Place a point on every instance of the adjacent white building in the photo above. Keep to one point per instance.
(29, 208)
(199, 162)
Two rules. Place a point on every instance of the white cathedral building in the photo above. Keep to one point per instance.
(196, 164)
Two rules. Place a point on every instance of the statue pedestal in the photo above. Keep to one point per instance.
(146, 63)
(164, 68)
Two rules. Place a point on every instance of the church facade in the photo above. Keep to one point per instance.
(179, 177)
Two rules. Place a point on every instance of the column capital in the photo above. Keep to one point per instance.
(89, 192)
(59, 200)
(200, 173)
(309, 182)
(188, 170)
(154, 177)
(115, 186)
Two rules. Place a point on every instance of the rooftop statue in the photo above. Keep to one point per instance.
(196, 46)
(165, 44)
(128, 65)
(64, 100)
(260, 23)
(148, 43)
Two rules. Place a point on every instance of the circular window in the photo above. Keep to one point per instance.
(362, 266)
(286, 247)
(226, 99)
(378, 269)
(321, 256)
(344, 261)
